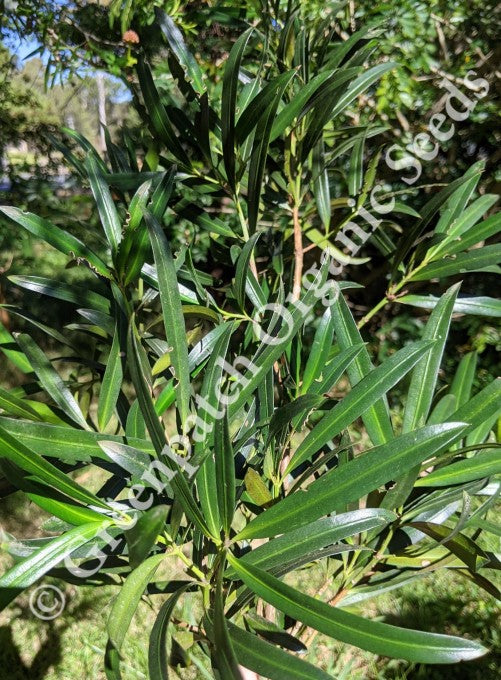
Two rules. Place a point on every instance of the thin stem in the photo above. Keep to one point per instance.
(298, 253)
(245, 233)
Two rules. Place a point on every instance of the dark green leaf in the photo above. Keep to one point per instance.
(352, 480)
(379, 638)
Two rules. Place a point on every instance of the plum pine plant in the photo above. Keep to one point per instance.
(261, 473)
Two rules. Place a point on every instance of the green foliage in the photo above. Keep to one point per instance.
(212, 418)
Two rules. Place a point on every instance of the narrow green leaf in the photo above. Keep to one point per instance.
(28, 460)
(474, 260)
(422, 387)
(319, 353)
(63, 291)
(29, 570)
(268, 352)
(283, 415)
(143, 535)
(425, 374)
(155, 428)
(225, 471)
(356, 169)
(10, 348)
(359, 85)
(208, 414)
(462, 224)
(56, 237)
(242, 271)
(176, 43)
(223, 651)
(228, 104)
(107, 211)
(298, 102)
(461, 546)
(17, 407)
(352, 480)
(463, 378)
(269, 660)
(483, 464)
(123, 609)
(454, 189)
(160, 121)
(157, 652)
(50, 380)
(311, 537)
(134, 461)
(459, 199)
(321, 186)
(111, 384)
(67, 444)
(484, 406)
(360, 398)
(480, 232)
(379, 638)
(479, 306)
(175, 330)
(260, 150)
(376, 419)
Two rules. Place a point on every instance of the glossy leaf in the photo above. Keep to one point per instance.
(269, 660)
(176, 43)
(123, 610)
(50, 380)
(479, 306)
(157, 652)
(228, 104)
(59, 239)
(353, 480)
(175, 330)
(425, 374)
(14, 450)
(483, 464)
(376, 418)
(105, 205)
(143, 535)
(472, 261)
(361, 397)
(34, 567)
(379, 638)
(309, 538)
(112, 382)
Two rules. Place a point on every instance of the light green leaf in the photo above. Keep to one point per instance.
(157, 652)
(479, 306)
(472, 261)
(299, 543)
(425, 374)
(183, 55)
(21, 455)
